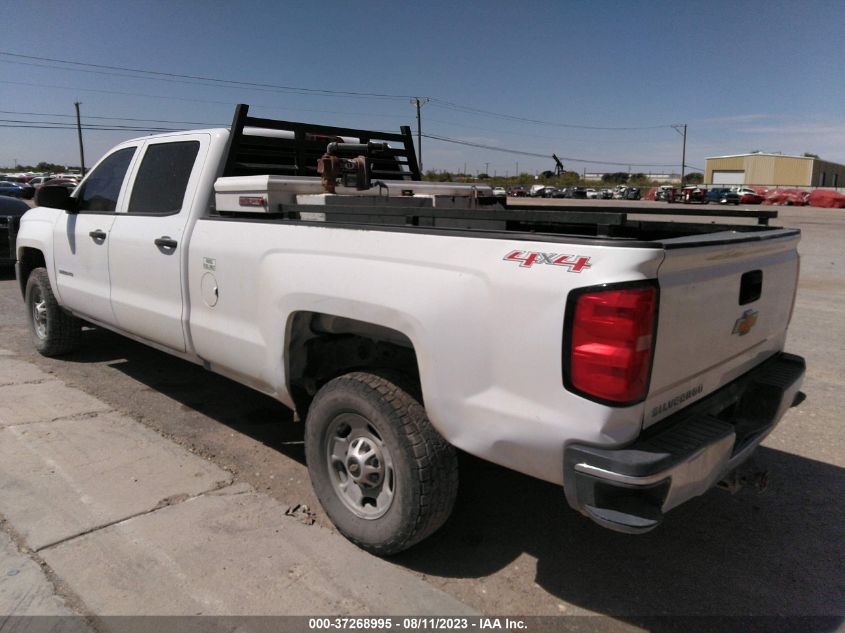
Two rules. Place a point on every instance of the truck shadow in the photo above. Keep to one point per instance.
(776, 553)
(779, 553)
(240, 408)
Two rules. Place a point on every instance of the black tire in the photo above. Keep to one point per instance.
(419, 469)
(54, 332)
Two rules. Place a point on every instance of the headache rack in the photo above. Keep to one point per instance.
(285, 148)
(279, 171)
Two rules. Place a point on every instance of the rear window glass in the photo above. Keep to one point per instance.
(163, 178)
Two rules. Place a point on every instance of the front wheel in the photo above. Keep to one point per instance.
(385, 477)
(54, 332)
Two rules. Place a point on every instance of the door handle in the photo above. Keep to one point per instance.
(97, 234)
(166, 242)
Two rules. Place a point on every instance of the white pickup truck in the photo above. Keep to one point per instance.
(635, 363)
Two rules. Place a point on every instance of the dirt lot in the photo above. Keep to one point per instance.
(513, 546)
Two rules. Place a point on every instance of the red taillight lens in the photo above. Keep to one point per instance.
(610, 343)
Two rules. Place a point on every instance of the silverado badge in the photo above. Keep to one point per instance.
(744, 323)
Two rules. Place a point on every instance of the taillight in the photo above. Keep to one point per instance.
(609, 342)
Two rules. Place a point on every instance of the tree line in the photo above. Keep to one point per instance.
(43, 166)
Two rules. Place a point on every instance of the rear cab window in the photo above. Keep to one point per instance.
(162, 178)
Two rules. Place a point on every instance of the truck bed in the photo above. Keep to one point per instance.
(485, 216)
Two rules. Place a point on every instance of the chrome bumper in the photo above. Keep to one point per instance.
(629, 489)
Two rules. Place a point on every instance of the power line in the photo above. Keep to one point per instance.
(225, 103)
(546, 136)
(64, 125)
(460, 108)
(537, 155)
(112, 118)
(85, 127)
(224, 83)
(483, 146)
(194, 78)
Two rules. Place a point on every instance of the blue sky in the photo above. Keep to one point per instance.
(743, 76)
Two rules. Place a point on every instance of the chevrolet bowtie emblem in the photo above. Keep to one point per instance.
(744, 323)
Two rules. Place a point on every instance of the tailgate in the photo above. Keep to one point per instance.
(724, 308)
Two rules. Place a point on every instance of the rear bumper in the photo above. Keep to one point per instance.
(629, 489)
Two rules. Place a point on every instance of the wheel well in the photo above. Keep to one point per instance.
(28, 260)
(321, 347)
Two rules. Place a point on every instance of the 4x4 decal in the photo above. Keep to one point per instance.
(526, 259)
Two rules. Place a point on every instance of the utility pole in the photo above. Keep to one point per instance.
(79, 133)
(677, 128)
(419, 102)
(517, 169)
(487, 168)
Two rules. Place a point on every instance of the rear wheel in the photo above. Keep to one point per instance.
(385, 477)
(54, 332)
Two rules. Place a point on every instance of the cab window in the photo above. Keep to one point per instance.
(163, 178)
(102, 187)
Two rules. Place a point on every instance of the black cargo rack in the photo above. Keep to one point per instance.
(414, 214)
(419, 215)
(763, 216)
(296, 153)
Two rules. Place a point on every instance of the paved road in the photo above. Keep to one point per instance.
(512, 545)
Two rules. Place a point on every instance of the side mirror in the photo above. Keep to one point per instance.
(56, 197)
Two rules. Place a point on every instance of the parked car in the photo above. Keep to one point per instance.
(687, 195)
(39, 181)
(606, 194)
(578, 192)
(592, 194)
(748, 196)
(549, 192)
(499, 192)
(632, 193)
(559, 193)
(16, 189)
(61, 182)
(11, 207)
(11, 211)
(722, 195)
(517, 192)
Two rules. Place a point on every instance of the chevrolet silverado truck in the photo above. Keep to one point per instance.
(635, 363)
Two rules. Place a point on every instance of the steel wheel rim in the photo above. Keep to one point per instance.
(360, 466)
(39, 314)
